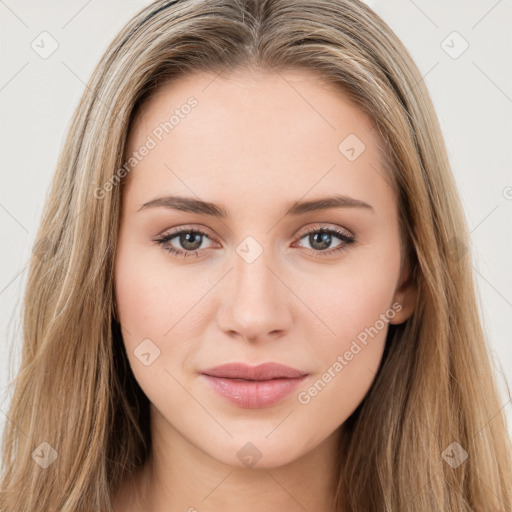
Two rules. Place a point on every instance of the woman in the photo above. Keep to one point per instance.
(250, 287)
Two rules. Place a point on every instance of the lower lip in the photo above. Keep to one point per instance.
(254, 394)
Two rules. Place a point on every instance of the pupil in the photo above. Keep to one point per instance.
(324, 242)
(189, 240)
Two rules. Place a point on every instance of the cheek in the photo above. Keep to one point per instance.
(140, 305)
(151, 297)
(355, 306)
(151, 302)
(358, 323)
(353, 301)
(348, 360)
(159, 314)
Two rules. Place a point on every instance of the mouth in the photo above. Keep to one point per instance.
(254, 387)
(266, 371)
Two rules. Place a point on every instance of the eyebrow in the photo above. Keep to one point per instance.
(188, 204)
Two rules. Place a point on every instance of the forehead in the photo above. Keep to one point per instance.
(253, 132)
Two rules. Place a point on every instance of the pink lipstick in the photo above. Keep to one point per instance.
(254, 387)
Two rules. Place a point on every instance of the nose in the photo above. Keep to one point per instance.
(255, 302)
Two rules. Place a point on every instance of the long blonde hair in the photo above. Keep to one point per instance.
(75, 397)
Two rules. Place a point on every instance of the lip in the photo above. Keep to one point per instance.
(254, 387)
(265, 371)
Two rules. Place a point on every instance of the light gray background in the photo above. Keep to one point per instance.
(472, 94)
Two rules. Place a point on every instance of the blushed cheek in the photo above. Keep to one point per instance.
(357, 309)
(156, 304)
(156, 330)
(142, 318)
(349, 368)
(139, 307)
(355, 352)
(350, 303)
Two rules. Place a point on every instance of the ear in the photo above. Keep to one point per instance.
(405, 294)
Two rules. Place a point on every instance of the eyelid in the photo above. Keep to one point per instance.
(325, 226)
(196, 228)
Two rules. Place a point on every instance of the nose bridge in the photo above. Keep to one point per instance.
(255, 304)
(252, 275)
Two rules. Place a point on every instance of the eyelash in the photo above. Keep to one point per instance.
(164, 240)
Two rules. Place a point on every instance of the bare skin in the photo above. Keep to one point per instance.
(254, 144)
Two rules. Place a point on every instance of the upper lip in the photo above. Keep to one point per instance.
(264, 371)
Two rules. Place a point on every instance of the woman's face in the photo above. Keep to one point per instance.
(289, 252)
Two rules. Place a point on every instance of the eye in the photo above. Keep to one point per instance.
(190, 241)
(320, 240)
